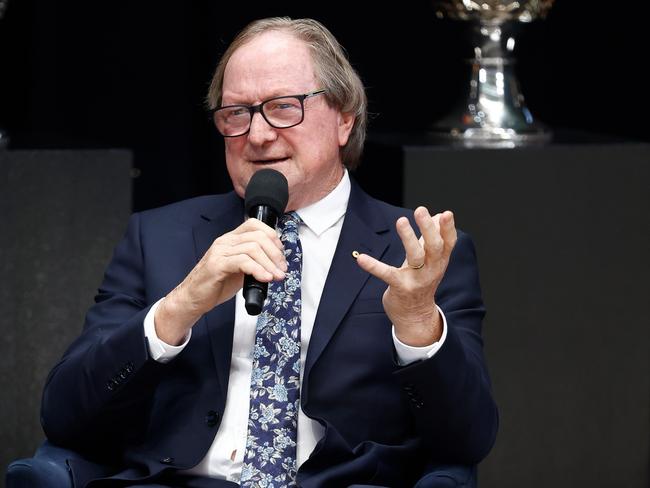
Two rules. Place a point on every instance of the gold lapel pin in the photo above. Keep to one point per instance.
(355, 254)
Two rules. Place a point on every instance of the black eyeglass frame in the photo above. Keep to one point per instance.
(253, 109)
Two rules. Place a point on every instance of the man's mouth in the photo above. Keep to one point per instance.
(269, 161)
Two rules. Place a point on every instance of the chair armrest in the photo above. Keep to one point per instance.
(448, 476)
(441, 476)
(47, 469)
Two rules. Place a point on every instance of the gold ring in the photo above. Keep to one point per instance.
(414, 267)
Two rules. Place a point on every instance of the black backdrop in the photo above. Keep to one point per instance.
(133, 75)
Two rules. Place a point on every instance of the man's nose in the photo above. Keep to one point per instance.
(260, 131)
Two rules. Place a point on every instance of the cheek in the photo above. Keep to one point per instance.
(233, 149)
(328, 149)
(237, 171)
(326, 145)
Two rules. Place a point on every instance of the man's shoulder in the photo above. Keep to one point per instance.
(202, 207)
(392, 210)
(371, 207)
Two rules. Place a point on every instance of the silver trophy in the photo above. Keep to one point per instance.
(494, 113)
(4, 138)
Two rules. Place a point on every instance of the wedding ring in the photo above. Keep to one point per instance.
(414, 267)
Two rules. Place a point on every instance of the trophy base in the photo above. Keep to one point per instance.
(494, 137)
(493, 113)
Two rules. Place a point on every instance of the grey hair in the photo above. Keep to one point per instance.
(335, 74)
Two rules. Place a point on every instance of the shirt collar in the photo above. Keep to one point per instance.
(327, 211)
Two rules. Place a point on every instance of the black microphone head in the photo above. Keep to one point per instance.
(267, 187)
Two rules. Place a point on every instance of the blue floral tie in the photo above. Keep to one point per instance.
(270, 458)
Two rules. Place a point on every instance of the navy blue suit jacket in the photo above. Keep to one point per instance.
(135, 418)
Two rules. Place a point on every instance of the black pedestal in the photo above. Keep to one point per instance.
(562, 234)
(62, 212)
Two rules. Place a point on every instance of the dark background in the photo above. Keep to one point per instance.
(133, 75)
(79, 74)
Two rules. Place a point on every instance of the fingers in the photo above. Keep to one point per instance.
(430, 229)
(376, 268)
(243, 263)
(438, 232)
(448, 230)
(414, 251)
(253, 249)
(253, 224)
(434, 247)
(258, 242)
(269, 260)
(270, 247)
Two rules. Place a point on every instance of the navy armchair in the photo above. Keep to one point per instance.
(49, 469)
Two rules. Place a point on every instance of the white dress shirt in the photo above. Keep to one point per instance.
(319, 234)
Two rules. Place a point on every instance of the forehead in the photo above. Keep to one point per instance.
(272, 63)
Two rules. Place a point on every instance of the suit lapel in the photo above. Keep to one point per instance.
(220, 321)
(363, 231)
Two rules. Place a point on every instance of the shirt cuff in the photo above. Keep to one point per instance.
(409, 354)
(160, 351)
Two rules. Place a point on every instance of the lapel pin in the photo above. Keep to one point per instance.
(355, 254)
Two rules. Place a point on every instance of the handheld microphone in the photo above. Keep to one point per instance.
(266, 198)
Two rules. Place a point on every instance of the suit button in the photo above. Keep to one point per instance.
(212, 418)
(167, 460)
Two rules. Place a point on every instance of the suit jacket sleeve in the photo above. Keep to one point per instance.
(107, 371)
(450, 393)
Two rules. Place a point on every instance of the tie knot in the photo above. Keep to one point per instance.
(290, 222)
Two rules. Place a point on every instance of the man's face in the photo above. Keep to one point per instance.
(276, 64)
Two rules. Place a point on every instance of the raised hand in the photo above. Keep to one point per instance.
(409, 299)
(252, 248)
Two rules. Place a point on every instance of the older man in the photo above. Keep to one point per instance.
(366, 363)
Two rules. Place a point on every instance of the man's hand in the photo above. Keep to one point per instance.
(409, 299)
(252, 248)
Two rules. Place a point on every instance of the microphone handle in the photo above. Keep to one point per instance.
(254, 291)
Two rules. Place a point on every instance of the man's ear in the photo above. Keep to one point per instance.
(345, 121)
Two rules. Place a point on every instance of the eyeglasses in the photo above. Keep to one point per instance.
(279, 113)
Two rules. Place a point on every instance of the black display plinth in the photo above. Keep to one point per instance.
(562, 235)
(62, 212)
